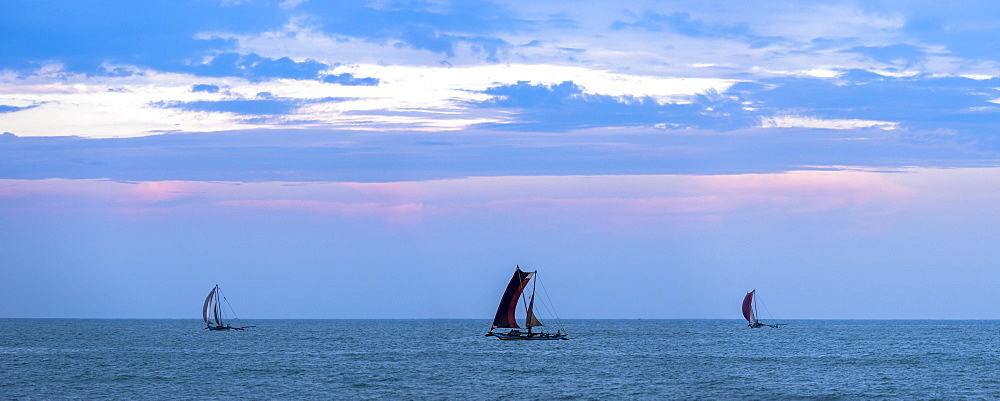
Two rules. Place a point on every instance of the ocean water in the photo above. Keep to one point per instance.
(451, 359)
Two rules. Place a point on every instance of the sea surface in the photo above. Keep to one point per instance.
(452, 359)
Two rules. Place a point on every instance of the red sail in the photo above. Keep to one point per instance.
(508, 303)
(748, 307)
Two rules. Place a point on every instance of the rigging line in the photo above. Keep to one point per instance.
(549, 309)
(542, 303)
(235, 317)
(552, 305)
(549, 312)
(221, 299)
(766, 310)
(549, 302)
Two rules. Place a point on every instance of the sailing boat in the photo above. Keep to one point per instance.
(750, 312)
(508, 303)
(211, 312)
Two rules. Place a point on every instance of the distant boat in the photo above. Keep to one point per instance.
(211, 312)
(750, 312)
(505, 312)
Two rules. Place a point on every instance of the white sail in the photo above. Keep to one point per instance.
(208, 304)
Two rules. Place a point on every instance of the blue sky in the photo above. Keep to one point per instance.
(396, 159)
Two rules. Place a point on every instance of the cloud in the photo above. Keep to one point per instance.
(10, 109)
(432, 26)
(205, 88)
(681, 23)
(961, 28)
(632, 198)
(240, 106)
(253, 67)
(391, 213)
(792, 121)
(349, 79)
(87, 37)
(919, 102)
(671, 67)
(893, 54)
(565, 106)
(264, 105)
(96, 38)
(358, 155)
(852, 99)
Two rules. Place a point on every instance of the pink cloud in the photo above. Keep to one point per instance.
(622, 200)
(397, 190)
(616, 206)
(809, 191)
(393, 213)
(151, 192)
(669, 196)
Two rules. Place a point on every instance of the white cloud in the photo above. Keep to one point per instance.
(426, 90)
(791, 121)
(103, 107)
(107, 107)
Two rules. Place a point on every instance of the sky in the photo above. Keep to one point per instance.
(397, 159)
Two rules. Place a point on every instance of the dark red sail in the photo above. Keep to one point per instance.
(508, 303)
(748, 308)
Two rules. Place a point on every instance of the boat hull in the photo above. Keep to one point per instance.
(222, 328)
(526, 337)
